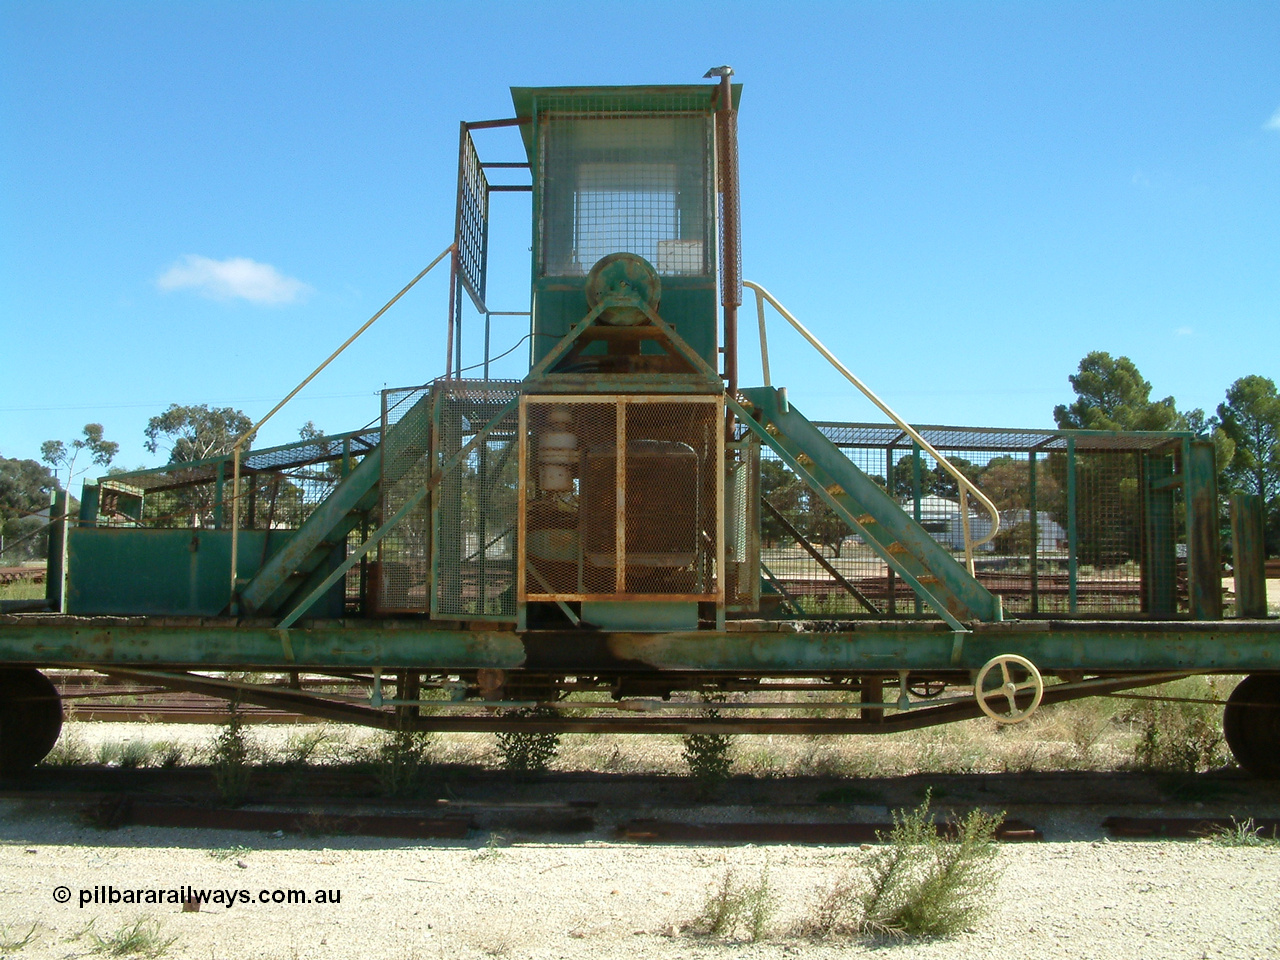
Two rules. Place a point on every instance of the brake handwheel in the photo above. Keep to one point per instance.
(1010, 689)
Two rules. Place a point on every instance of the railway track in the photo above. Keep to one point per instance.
(456, 801)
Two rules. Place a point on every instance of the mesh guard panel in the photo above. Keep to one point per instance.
(400, 577)
(475, 505)
(643, 524)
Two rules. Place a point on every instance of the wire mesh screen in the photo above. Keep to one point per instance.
(635, 182)
(795, 524)
(622, 498)
(730, 206)
(476, 505)
(472, 233)
(741, 526)
(1103, 542)
(399, 579)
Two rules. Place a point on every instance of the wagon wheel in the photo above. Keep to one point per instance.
(1009, 688)
(30, 719)
(1251, 724)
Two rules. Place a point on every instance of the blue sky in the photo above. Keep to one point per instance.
(199, 200)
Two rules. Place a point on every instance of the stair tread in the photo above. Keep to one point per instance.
(957, 591)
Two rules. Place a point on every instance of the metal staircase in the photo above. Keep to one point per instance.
(319, 544)
(898, 539)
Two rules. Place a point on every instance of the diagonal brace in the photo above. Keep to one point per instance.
(823, 562)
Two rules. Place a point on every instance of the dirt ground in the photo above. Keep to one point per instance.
(489, 897)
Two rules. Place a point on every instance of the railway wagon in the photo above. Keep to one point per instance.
(628, 539)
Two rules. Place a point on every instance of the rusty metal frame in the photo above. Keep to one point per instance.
(621, 402)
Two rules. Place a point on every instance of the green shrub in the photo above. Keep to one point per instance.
(144, 937)
(230, 758)
(1243, 833)
(708, 754)
(400, 760)
(528, 753)
(1180, 737)
(922, 883)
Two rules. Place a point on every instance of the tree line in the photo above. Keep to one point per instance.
(188, 433)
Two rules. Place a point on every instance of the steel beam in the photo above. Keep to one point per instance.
(759, 648)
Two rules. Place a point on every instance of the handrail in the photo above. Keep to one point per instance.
(235, 449)
(963, 483)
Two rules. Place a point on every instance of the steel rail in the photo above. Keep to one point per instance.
(964, 484)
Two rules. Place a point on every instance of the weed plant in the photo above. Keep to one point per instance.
(707, 755)
(527, 753)
(144, 938)
(1180, 737)
(134, 754)
(922, 883)
(400, 759)
(13, 940)
(230, 758)
(69, 751)
(737, 908)
(1243, 833)
(24, 589)
(304, 744)
(229, 853)
(168, 754)
(108, 752)
(492, 848)
(708, 758)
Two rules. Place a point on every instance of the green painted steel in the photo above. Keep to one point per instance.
(1249, 553)
(640, 615)
(218, 485)
(263, 455)
(183, 572)
(1033, 514)
(354, 557)
(601, 186)
(917, 490)
(1204, 549)
(686, 304)
(55, 570)
(89, 501)
(888, 529)
(1160, 561)
(871, 647)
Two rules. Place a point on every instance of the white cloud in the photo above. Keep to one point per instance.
(1274, 122)
(1183, 332)
(233, 278)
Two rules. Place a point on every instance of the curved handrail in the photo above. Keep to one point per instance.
(963, 483)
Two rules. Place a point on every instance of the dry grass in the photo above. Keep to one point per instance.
(22, 590)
